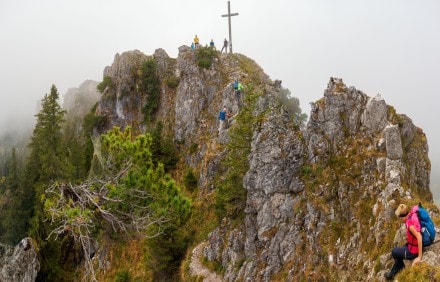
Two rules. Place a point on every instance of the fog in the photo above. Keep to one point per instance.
(388, 47)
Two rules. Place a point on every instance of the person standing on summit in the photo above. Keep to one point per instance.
(225, 46)
(196, 41)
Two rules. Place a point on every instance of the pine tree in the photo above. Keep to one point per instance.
(47, 162)
(46, 140)
(16, 211)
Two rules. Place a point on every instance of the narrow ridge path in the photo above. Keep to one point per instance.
(196, 267)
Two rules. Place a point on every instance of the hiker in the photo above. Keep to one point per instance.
(413, 249)
(193, 46)
(225, 46)
(211, 44)
(196, 41)
(222, 116)
(238, 89)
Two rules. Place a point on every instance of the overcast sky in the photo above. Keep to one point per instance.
(390, 47)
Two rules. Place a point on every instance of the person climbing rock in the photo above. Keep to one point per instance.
(238, 87)
(413, 249)
(222, 116)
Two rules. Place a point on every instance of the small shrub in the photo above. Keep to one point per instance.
(123, 276)
(190, 180)
(204, 56)
(193, 148)
(106, 82)
(172, 82)
(306, 170)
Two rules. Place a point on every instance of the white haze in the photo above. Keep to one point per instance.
(389, 47)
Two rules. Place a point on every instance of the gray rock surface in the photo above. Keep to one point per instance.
(21, 264)
(285, 218)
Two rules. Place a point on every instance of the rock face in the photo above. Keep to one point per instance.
(21, 264)
(314, 197)
(320, 200)
(121, 101)
(78, 102)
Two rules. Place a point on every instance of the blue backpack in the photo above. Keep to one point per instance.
(426, 225)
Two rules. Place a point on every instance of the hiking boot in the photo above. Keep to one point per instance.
(389, 275)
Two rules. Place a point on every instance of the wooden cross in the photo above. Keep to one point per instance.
(229, 15)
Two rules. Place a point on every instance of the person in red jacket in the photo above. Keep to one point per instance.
(413, 249)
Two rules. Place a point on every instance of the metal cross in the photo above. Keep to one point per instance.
(229, 15)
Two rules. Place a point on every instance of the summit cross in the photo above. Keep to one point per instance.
(229, 15)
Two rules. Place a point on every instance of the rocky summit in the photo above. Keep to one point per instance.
(311, 201)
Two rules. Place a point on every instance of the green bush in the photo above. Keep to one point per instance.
(107, 82)
(163, 148)
(150, 86)
(173, 82)
(204, 56)
(123, 276)
(190, 180)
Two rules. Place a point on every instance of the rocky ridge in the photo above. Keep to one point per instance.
(322, 196)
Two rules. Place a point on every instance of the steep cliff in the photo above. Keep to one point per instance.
(317, 202)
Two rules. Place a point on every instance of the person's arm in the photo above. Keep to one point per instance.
(418, 235)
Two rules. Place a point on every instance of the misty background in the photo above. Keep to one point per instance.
(387, 47)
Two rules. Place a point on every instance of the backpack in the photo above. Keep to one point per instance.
(235, 84)
(426, 226)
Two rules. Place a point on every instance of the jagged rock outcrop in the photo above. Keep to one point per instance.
(362, 156)
(319, 201)
(21, 263)
(120, 102)
(78, 102)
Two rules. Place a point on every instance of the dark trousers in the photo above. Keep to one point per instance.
(399, 254)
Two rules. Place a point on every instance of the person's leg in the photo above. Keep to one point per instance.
(399, 254)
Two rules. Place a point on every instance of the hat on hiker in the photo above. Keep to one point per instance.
(402, 210)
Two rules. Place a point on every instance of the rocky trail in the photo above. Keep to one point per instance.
(197, 269)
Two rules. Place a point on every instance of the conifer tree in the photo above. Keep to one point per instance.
(16, 210)
(46, 140)
(47, 162)
(131, 194)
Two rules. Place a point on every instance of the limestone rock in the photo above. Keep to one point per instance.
(22, 264)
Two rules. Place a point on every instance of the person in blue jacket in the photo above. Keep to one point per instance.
(222, 116)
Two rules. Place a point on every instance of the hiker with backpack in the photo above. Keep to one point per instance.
(222, 117)
(238, 87)
(413, 250)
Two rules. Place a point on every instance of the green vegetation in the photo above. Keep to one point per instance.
(149, 85)
(205, 56)
(231, 195)
(419, 272)
(172, 82)
(106, 83)
(163, 148)
(190, 180)
(132, 195)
